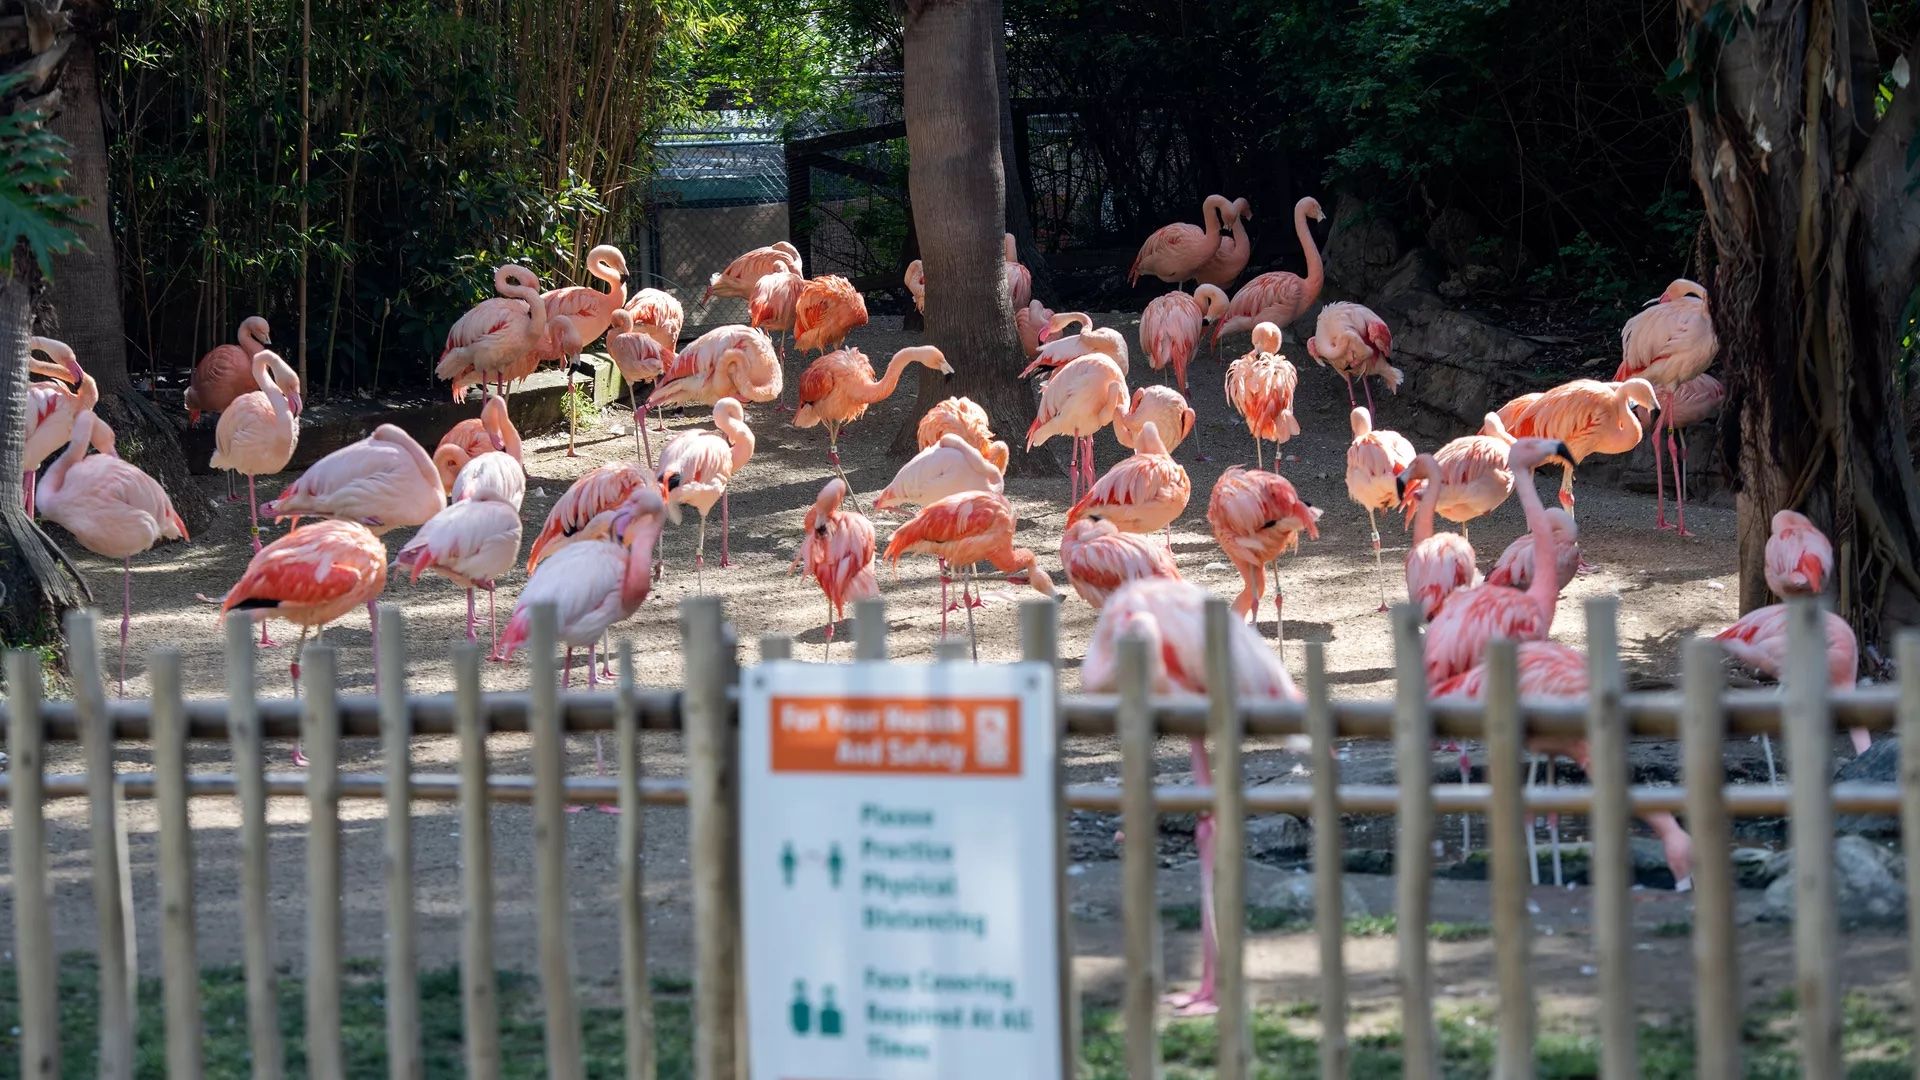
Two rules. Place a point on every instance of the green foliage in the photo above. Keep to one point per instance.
(33, 169)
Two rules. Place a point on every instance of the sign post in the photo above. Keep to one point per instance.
(897, 864)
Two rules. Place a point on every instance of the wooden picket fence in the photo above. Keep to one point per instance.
(1703, 715)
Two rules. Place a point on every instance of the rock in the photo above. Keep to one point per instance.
(1361, 247)
(1272, 836)
(1649, 864)
(1367, 860)
(1452, 236)
(1879, 765)
(1292, 898)
(1869, 887)
(1753, 868)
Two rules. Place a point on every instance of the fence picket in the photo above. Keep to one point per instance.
(775, 647)
(179, 969)
(550, 852)
(36, 966)
(404, 1061)
(112, 876)
(479, 992)
(635, 993)
(1506, 833)
(1816, 934)
(320, 738)
(1907, 656)
(1413, 855)
(712, 791)
(1235, 1056)
(870, 629)
(1716, 977)
(1040, 643)
(1329, 915)
(1610, 822)
(267, 1053)
(1139, 903)
(949, 650)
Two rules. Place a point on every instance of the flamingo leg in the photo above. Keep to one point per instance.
(1369, 392)
(833, 455)
(232, 495)
(639, 424)
(1351, 403)
(126, 617)
(1279, 616)
(253, 506)
(1202, 1001)
(1659, 477)
(700, 558)
(1533, 848)
(1678, 848)
(1553, 829)
(606, 655)
(826, 653)
(945, 583)
(573, 409)
(1766, 747)
(972, 588)
(725, 530)
(299, 758)
(26, 483)
(574, 808)
(493, 624)
(1258, 462)
(1679, 491)
(471, 625)
(1379, 571)
(645, 442)
(373, 635)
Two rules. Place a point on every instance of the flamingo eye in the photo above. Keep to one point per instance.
(1269, 524)
(819, 530)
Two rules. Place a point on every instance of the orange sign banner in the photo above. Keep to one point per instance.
(909, 736)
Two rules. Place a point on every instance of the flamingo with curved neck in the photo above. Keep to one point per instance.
(836, 390)
(1280, 297)
(1173, 252)
(1230, 258)
(257, 434)
(496, 340)
(52, 408)
(1437, 563)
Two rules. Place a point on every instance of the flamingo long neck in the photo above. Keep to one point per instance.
(603, 268)
(263, 378)
(89, 393)
(1424, 509)
(55, 479)
(1545, 587)
(871, 392)
(536, 309)
(1624, 419)
(250, 342)
(1237, 234)
(1316, 273)
(1010, 559)
(739, 438)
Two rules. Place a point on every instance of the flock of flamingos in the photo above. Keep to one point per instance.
(594, 558)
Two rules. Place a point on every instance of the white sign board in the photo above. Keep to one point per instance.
(897, 859)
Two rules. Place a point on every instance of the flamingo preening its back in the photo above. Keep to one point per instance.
(963, 417)
(1100, 559)
(1799, 556)
(1375, 461)
(827, 309)
(491, 431)
(1257, 516)
(1353, 341)
(1144, 493)
(1472, 474)
(1438, 564)
(836, 549)
(731, 361)
(600, 489)
(52, 405)
(743, 273)
(1161, 406)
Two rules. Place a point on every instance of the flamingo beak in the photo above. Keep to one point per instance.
(294, 404)
(1046, 334)
(498, 442)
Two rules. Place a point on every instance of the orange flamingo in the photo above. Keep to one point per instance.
(948, 467)
(1231, 256)
(1279, 296)
(837, 388)
(1030, 323)
(1375, 461)
(1099, 559)
(1512, 411)
(1514, 567)
(496, 336)
(836, 550)
(1692, 402)
(1019, 278)
(1591, 417)
(660, 310)
(1172, 325)
(1257, 516)
(1472, 474)
(111, 507)
(1353, 341)
(698, 465)
(773, 303)
(1174, 252)
(963, 417)
(257, 433)
(1144, 493)
(1081, 398)
(226, 371)
(1670, 343)
(968, 528)
(1057, 350)
(743, 273)
(1799, 556)
(1438, 564)
(1469, 618)
(1161, 406)
(491, 431)
(731, 361)
(642, 354)
(1260, 388)
(828, 309)
(470, 543)
(1759, 641)
(915, 279)
(52, 407)
(599, 490)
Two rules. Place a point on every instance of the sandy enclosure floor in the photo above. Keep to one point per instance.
(1670, 587)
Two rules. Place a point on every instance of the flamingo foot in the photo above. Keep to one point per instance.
(299, 758)
(1192, 1002)
(576, 808)
(1585, 567)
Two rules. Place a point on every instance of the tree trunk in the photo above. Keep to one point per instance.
(1019, 218)
(958, 192)
(1818, 243)
(34, 591)
(84, 293)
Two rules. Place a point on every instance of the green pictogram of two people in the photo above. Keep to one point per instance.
(802, 1012)
(790, 864)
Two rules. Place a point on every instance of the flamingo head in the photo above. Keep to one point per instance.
(1639, 393)
(284, 378)
(927, 356)
(1266, 338)
(1423, 467)
(257, 328)
(1310, 206)
(493, 419)
(1528, 454)
(1359, 418)
(1680, 289)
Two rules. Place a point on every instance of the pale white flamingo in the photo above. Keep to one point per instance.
(476, 538)
(697, 466)
(1161, 406)
(1353, 341)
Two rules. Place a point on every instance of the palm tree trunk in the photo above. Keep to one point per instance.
(34, 590)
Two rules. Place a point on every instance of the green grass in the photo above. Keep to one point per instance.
(1286, 1036)
(1264, 919)
(580, 397)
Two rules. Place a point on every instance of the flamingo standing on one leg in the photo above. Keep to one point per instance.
(1375, 460)
(1279, 296)
(1081, 398)
(1230, 257)
(744, 272)
(641, 357)
(1260, 387)
(111, 507)
(1100, 559)
(727, 361)
(492, 431)
(697, 466)
(476, 538)
(1170, 615)
(1353, 341)
(1692, 402)
(963, 455)
(827, 310)
(257, 435)
(1161, 406)
(837, 388)
(1759, 640)
(497, 335)
(592, 584)
(1172, 325)
(1257, 517)
(1669, 344)
(837, 553)
(965, 529)
(1173, 253)
(775, 300)
(1472, 474)
(1438, 564)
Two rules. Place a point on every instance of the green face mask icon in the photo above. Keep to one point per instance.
(829, 1014)
(801, 1011)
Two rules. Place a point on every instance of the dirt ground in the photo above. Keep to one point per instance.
(1670, 586)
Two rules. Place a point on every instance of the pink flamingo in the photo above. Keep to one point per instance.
(660, 310)
(1472, 474)
(1438, 564)
(1515, 565)
(1170, 615)
(111, 507)
(968, 528)
(915, 279)
(1353, 341)
(948, 467)
(698, 465)
(1144, 493)
(963, 417)
(725, 362)
(1375, 461)
(743, 273)
(1669, 344)
(775, 298)
(1591, 417)
(1692, 402)
(600, 489)
(1512, 411)
(1799, 556)
(1759, 641)
(1279, 297)
(600, 580)
(1081, 398)
(385, 481)
(1100, 559)
(52, 407)
(1553, 672)
(1257, 516)
(257, 434)
(1171, 327)
(226, 371)
(642, 355)
(837, 552)
(496, 335)
(1260, 387)
(1029, 323)
(1161, 406)
(837, 388)
(1173, 253)
(590, 310)
(490, 432)
(476, 538)
(1057, 350)
(828, 309)
(1019, 278)
(1230, 258)
(1469, 618)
